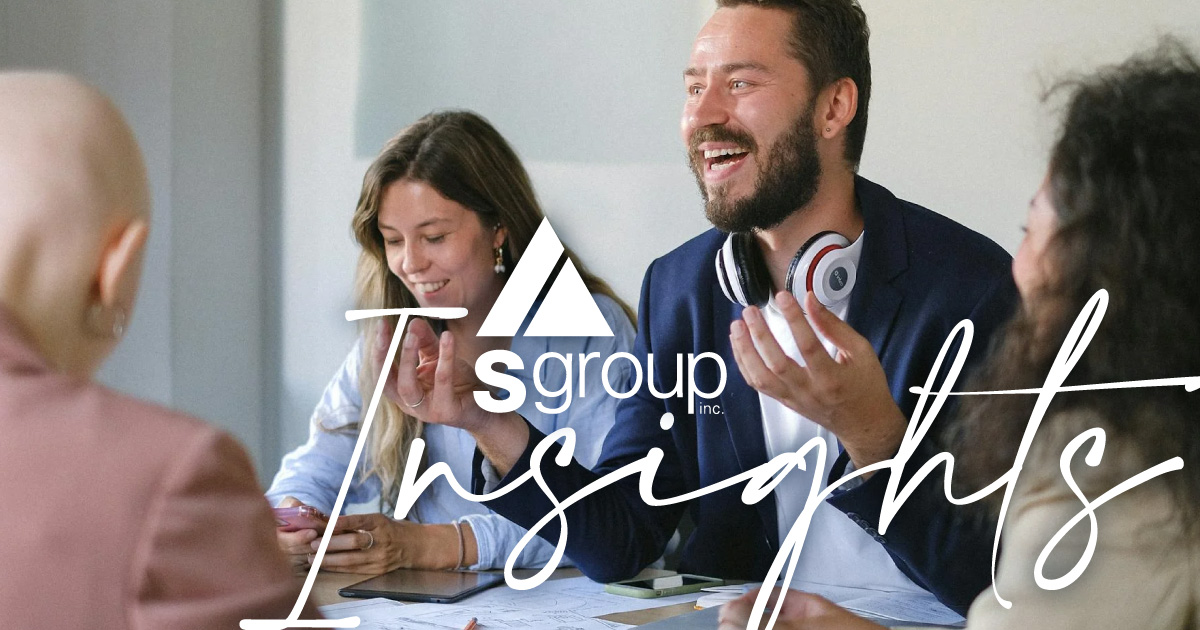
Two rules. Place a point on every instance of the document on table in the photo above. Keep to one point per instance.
(567, 604)
(456, 616)
(887, 605)
(888, 609)
(367, 610)
(579, 595)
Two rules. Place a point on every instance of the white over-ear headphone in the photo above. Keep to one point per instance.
(824, 265)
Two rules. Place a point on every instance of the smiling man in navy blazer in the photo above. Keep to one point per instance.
(774, 122)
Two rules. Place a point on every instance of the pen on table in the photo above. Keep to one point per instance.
(471, 624)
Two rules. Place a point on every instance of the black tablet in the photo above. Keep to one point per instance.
(416, 585)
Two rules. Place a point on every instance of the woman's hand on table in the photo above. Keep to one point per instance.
(374, 544)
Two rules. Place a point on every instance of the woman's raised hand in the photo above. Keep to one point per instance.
(432, 383)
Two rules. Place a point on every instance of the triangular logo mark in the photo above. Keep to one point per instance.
(568, 309)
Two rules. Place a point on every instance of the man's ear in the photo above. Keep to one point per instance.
(839, 105)
(120, 265)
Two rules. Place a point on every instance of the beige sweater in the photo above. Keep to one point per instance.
(1144, 572)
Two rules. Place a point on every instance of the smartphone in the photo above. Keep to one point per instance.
(662, 586)
(291, 519)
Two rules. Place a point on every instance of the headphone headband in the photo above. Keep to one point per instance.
(825, 265)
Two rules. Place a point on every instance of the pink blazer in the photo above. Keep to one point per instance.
(121, 514)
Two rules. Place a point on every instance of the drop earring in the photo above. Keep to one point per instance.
(500, 268)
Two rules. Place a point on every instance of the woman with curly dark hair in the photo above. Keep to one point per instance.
(1119, 212)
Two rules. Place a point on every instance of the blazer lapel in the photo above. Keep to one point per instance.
(876, 300)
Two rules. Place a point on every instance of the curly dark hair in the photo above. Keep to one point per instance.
(1124, 179)
(830, 37)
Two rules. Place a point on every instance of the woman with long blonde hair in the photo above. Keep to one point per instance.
(445, 213)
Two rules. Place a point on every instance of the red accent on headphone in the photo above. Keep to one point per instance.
(812, 266)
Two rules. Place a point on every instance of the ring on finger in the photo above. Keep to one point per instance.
(370, 538)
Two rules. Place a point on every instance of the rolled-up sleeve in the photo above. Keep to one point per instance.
(314, 472)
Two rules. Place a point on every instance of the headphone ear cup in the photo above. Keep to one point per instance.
(823, 266)
(741, 270)
(727, 271)
(755, 279)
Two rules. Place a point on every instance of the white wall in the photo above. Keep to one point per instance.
(216, 216)
(187, 77)
(318, 178)
(956, 120)
(247, 115)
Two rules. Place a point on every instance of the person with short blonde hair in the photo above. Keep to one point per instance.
(121, 514)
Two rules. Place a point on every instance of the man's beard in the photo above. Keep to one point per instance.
(786, 181)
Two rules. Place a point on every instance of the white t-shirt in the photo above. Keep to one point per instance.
(836, 551)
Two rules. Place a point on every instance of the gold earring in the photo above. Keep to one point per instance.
(500, 268)
(106, 323)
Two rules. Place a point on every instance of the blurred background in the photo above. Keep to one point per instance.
(258, 119)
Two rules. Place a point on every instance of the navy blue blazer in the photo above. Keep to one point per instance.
(919, 275)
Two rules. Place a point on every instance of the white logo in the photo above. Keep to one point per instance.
(568, 309)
